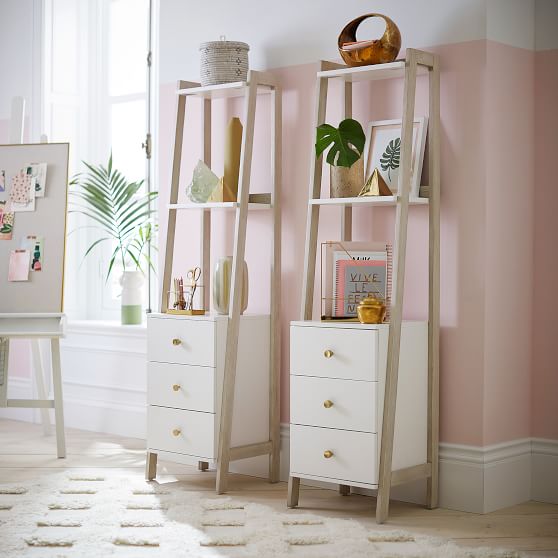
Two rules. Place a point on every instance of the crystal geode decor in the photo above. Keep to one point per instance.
(204, 181)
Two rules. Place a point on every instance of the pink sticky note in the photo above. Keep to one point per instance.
(19, 265)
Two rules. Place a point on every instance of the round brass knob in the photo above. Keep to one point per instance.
(176, 432)
(176, 342)
(328, 353)
(328, 403)
(328, 454)
(176, 387)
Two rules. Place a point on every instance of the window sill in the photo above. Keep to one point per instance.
(106, 327)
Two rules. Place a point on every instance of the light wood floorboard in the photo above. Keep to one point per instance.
(25, 453)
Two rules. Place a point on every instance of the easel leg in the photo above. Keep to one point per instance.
(40, 379)
(58, 402)
(344, 490)
(150, 466)
(293, 492)
(203, 465)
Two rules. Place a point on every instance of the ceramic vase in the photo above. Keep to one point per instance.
(222, 278)
(346, 182)
(132, 297)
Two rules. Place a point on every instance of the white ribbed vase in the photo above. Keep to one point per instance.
(222, 285)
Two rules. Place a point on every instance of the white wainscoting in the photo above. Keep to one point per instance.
(104, 375)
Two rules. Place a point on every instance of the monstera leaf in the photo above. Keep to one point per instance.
(390, 158)
(347, 142)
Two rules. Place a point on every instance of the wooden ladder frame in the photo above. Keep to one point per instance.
(249, 90)
(429, 470)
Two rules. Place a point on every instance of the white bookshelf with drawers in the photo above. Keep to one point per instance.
(186, 357)
(337, 380)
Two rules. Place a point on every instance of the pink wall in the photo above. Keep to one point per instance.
(488, 225)
(508, 265)
(544, 414)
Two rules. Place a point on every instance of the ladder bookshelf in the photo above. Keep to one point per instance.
(226, 345)
(415, 63)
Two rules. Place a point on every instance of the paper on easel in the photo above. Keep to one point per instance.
(18, 269)
(22, 195)
(37, 171)
(34, 244)
(6, 222)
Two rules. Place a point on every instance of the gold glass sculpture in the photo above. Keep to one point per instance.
(375, 186)
(373, 51)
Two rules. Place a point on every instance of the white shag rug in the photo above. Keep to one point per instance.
(94, 516)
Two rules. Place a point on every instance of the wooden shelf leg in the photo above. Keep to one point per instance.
(58, 401)
(231, 350)
(293, 492)
(400, 248)
(275, 289)
(344, 490)
(150, 466)
(434, 286)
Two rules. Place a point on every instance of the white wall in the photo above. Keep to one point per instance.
(17, 39)
(294, 32)
(546, 22)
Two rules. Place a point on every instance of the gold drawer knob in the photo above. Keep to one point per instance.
(328, 454)
(175, 387)
(176, 341)
(328, 353)
(176, 432)
(328, 403)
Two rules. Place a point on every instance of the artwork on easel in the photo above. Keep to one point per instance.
(6, 222)
(34, 244)
(22, 194)
(18, 269)
(38, 172)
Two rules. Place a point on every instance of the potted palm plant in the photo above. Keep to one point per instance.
(344, 156)
(123, 214)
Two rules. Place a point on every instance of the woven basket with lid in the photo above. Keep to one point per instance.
(223, 62)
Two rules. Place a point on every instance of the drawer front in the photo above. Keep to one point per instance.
(345, 404)
(187, 432)
(353, 454)
(181, 386)
(181, 341)
(329, 352)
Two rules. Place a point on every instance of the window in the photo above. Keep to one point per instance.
(96, 97)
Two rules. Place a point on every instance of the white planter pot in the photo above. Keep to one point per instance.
(222, 285)
(132, 297)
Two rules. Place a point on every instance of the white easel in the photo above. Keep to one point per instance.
(35, 327)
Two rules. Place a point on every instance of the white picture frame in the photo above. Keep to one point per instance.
(380, 134)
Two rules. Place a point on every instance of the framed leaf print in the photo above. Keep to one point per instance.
(383, 151)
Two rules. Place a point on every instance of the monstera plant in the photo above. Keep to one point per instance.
(347, 142)
(346, 145)
(122, 212)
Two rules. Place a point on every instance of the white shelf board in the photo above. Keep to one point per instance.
(367, 73)
(222, 91)
(216, 205)
(366, 201)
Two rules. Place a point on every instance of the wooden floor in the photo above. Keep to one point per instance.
(26, 453)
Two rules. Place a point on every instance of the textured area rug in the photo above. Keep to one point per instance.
(95, 516)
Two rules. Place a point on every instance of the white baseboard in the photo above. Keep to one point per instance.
(544, 470)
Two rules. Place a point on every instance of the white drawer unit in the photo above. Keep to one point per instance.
(185, 386)
(341, 456)
(337, 402)
(343, 404)
(335, 353)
